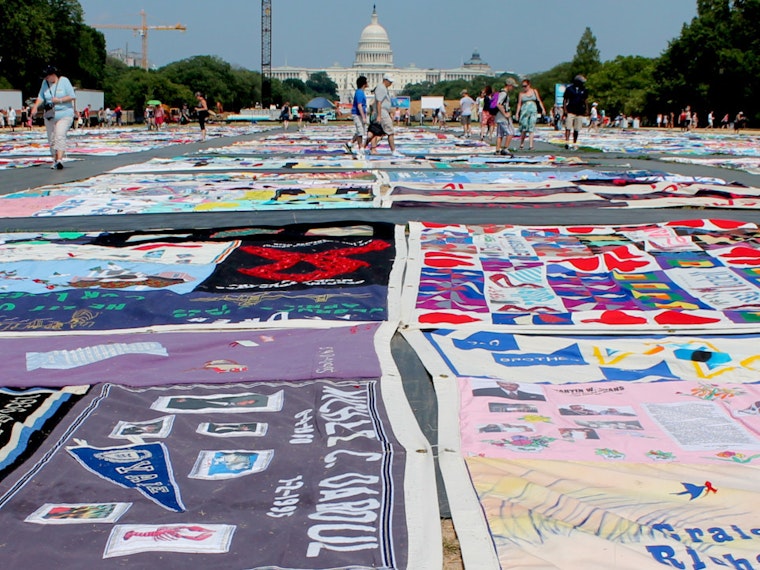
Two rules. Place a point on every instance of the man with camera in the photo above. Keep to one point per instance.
(57, 98)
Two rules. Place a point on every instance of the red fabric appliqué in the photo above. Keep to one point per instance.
(328, 264)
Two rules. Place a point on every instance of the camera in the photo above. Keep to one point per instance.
(48, 106)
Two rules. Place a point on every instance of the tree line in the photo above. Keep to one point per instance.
(713, 65)
(36, 33)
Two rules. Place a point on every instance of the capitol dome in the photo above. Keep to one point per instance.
(374, 48)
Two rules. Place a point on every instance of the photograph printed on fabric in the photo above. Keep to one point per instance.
(78, 513)
(159, 428)
(228, 464)
(220, 403)
(247, 429)
(126, 539)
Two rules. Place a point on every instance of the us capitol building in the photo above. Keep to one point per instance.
(374, 58)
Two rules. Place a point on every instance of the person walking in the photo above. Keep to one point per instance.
(575, 107)
(487, 121)
(359, 116)
(201, 109)
(158, 117)
(442, 116)
(740, 122)
(150, 115)
(505, 130)
(594, 120)
(466, 105)
(57, 97)
(12, 119)
(527, 112)
(383, 112)
(285, 115)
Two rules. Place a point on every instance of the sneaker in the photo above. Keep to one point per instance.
(505, 152)
(360, 154)
(348, 148)
(59, 165)
(397, 154)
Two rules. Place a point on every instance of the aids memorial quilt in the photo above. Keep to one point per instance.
(239, 163)
(445, 178)
(687, 422)
(204, 357)
(689, 274)
(515, 195)
(580, 193)
(549, 467)
(307, 474)
(200, 277)
(118, 194)
(749, 164)
(569, 515)
(25, 416)
(649, 142)
(562, 359)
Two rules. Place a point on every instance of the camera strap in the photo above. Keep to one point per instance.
(52, 95)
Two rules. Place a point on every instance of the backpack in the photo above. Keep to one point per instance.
(493, 104)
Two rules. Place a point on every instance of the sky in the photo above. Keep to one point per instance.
(524, 36)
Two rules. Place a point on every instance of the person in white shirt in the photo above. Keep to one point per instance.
(383, 112)
(466, 105)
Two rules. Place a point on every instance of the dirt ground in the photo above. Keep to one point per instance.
(452, 555)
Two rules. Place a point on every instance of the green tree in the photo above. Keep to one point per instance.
(39, 32)
(284, 91)
(623, 84)
(295, 83)
(546, 80)
(586, 60)
(131, 87)
(247, 88)
(320, 84)
(210, 75)
(714, 65)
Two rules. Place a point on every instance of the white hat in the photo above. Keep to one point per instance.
(595, 104)
(388, 77)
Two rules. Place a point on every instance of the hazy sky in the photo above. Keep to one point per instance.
(523, 35)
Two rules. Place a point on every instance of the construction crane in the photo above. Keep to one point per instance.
(142, 31)
(266, 53)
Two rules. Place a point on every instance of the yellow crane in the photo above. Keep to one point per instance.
(142, 31)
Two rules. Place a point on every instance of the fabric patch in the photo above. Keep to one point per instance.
(78, 513)
(129, 539)
(212, 357)
(689, 422)
(603, 278)
(24, 417)
(330, 443)
(144, 467)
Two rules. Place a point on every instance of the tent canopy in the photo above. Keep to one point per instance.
(319, 103)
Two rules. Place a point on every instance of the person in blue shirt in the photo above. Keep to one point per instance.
(57, 98)
(359, 116)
